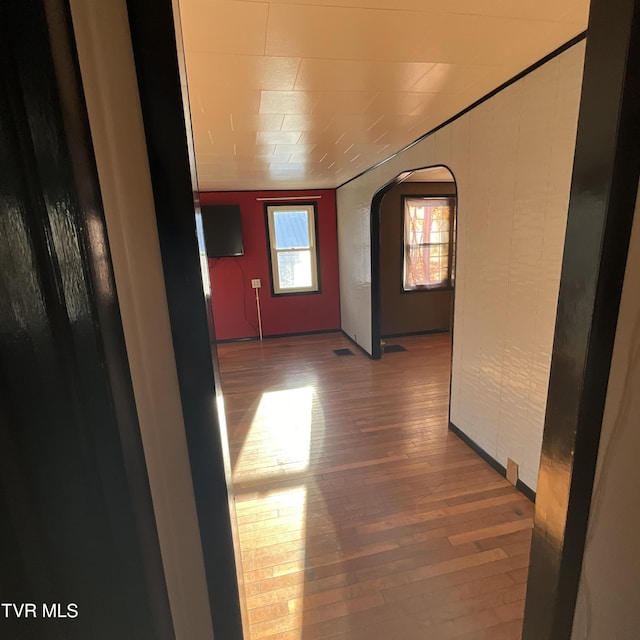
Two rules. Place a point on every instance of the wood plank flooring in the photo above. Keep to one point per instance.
(360, 515)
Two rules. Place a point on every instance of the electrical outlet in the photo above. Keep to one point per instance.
(512, 471)
(255, 283)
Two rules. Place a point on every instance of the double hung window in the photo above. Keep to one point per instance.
(293, 248)
(428, 242)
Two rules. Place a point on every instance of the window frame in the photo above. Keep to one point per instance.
(448, 283)
(274, 274)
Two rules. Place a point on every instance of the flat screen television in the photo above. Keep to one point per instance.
(222, 227)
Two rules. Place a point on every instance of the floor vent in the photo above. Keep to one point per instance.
(343, 352)
(393, 348)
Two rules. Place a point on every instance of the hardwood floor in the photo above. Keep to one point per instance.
(360, 515)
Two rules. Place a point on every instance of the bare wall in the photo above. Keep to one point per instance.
(407, 311)
(512, 159)
(607, 604)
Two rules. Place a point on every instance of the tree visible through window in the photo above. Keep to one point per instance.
(428, 241)
(292, 241)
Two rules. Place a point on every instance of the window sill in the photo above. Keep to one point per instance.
(288, 294)
(439, 287)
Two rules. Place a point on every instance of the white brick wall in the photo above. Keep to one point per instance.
(512, 158)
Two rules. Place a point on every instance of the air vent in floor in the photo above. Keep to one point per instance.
(393, 348)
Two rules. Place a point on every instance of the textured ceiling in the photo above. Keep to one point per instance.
(308, 94)
(432, 174)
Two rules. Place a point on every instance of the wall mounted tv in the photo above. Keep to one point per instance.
(222, 226)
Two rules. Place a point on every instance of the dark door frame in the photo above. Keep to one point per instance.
(603, 194)
(601, 209)
(159, 64)
(78, 524)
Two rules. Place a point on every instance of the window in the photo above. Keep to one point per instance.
(292, 243)
(428, 242)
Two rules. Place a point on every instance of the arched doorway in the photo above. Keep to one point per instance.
(413, 255)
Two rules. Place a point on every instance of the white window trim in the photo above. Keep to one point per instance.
(310, 208)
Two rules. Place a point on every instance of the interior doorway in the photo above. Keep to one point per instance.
(360, 514)
(413, 240)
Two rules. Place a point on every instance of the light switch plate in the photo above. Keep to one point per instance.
(255, 283)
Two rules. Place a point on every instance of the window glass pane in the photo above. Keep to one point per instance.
(439, 229)
(291, 229)
(426, 265)
(427, 235)
(294, 269)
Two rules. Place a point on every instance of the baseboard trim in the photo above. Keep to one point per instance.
(520, 486)
(406, 334)
(229, 340)
(355, 344)
(278, 335)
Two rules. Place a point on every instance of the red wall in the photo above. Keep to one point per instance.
(234, 304)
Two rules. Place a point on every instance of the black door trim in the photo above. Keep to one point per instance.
(374, 243)
(602, 201)
(76, 503)
(156, 56)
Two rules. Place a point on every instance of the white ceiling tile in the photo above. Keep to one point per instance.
(317, 137)
(224, 26)
(293, 149)
(527, 9)
(306, 94)
(453, 78)
(330, 103)
(216, 104)
(403, 124)
(301, 122)
(393, 35)
(356, 123)
(256, 122)
(368, 149)
(278, 137)
(401, 103)
(358, 75)
(287, 102)
(230, 72)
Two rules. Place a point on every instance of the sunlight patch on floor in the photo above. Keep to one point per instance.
(289, 509)
(279, 436)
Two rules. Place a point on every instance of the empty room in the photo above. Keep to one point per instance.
(319, 319)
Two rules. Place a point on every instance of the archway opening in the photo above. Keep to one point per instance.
(413, 240)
